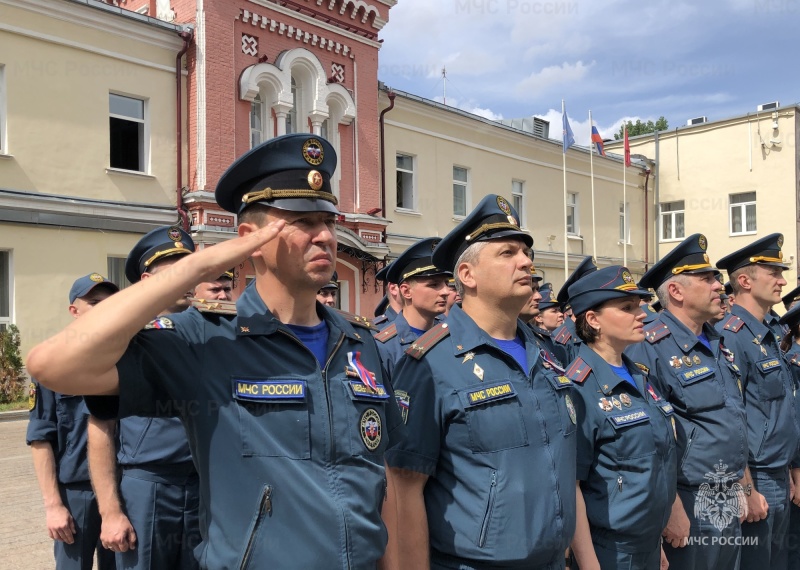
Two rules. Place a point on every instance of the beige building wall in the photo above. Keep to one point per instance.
(703, 165)
(63, 210)
(440, 138)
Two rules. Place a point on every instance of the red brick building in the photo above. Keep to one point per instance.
(259, 69)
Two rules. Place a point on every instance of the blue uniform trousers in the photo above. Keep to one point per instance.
(444, 562)
(82, 505)
(709, 548)
(164, 514)
(793, 538)
(765, 541)
(614, 559)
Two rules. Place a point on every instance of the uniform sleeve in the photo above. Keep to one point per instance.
(419, 451)
(586, 438)
(43, 424)
(153, 377)
(395, 427)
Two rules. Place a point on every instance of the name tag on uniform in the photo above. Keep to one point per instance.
(696, 374)
(360, 390)
(559, 381)
(490, 394)
(769, 364)
(269, 390)
(635, 417)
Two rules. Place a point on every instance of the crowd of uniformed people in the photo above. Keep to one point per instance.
(482, 420)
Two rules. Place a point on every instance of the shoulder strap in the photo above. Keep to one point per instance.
(218, 307)
(357, 320)
(386, 334)
(655, 332)
(578, 370)
(428, 341)
(733, 324)
(563, 336)
(642, 367)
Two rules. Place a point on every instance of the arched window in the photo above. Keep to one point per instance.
(257, 135)
(291, 118)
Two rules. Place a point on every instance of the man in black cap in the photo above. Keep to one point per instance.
(756, 274)
(565, 337)
(391, 304)
(327, 293)
(484, 475)
(695, 372)
(150, 512)
(285, 404)
(791, 298)
(57, 436)
(423, 288)
(220, 289)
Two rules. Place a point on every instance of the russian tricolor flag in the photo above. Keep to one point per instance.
(598, 141)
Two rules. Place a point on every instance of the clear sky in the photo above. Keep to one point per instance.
(622, 59)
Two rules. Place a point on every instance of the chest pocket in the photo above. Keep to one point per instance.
(770, 380)
(632, 434)
(494, 417)
(366, 416)
(562, 389)
(699, 389)
(273, 416)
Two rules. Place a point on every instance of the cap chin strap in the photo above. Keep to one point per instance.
(762, 258)
(270, 194)
(489, 227)
(679, 270)
(165, 253)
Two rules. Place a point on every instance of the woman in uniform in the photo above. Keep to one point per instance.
(626, 464)
(790, 345)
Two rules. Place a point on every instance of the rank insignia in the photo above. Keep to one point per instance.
(33, 389)
(763, 350)
(571, 409)
(370, 426)
(675, 362)
(478, 371)
(696, 360)
(642, 367)
(159, 323)
(687, 361)
(468, 356)
(617, 404)
(625, 399)
(403, 402)
(605, 405)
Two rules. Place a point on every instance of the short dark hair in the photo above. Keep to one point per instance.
(254, 214)
(586, 333)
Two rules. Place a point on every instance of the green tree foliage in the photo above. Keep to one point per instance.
(640, 128)
(11, 378)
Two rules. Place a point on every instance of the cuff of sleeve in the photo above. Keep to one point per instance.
(402, 459)
(103, 407)
(40, 431)
(582, 472)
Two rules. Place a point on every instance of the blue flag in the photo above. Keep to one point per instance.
(569, 138)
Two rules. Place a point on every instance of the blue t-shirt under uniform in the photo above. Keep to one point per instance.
(704, 339)
(515, 348)
(624, 373)
(314, 339)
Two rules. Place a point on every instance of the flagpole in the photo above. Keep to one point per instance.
(564, 164)
(624, 214)
(591, 177)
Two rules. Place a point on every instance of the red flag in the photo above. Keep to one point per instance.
(627, 145)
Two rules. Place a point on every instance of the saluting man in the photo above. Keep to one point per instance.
(693, 369)
(756, 274)
(485, 476)
(285, 405)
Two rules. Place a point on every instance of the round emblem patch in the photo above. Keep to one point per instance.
(174, 234)
(314, 180)
(503, 205)
(96, 277)
(627, 277)
(370, 427)
(32, 396)
(780, 241)
(571, 409)
(625, 400)
(179, 244)
(605, 405)
(701, 241)
(312, 152)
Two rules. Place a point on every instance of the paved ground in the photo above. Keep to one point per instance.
(24, 544)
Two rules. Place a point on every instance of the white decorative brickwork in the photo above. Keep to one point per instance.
(249, 45)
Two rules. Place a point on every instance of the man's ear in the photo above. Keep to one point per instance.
(73, 310)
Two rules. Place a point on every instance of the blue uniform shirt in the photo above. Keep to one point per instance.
(393, 340)
(703, 387)
(626, 454)
(772, 429)
(290, 456)
(793, 360)
(498, 442)
(387, 318)
(61, 420)
(566, 341)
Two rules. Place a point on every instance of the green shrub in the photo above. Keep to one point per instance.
(12, 385)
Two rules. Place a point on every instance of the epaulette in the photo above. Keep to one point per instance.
(356, 319)
(219, 307)
(642, 367)
(161, 323)
(563, 336)
(578, 370)
(733, 324)
(380, 320)
(387, 333)
(655, 332)
(428, 341)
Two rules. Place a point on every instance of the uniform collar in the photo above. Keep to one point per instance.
(686, 339)
(758, 328)
(254, 318)
(609, 381)
(404, 332)
(540, 331)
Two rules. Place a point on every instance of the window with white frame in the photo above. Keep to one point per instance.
(672, 226)
(743, 213)
(518, 199)
(256, 122)
(624, 222)
(573, 214)
(460, 190)
(127, 133)
(5, 289)
(406, 198)
(116, 271)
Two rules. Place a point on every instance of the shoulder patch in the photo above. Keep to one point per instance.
(380, 320)
(733, 324)
(563, 336)
(159, 323)
(655, 332)
(642, 367)
(386, 334)
(33, 392)
(357, 320)
(427, 341)
(219, 307)
(578, 370)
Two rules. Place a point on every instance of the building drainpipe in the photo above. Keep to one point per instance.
(186, 36)
(391, 97)
(646, 227)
